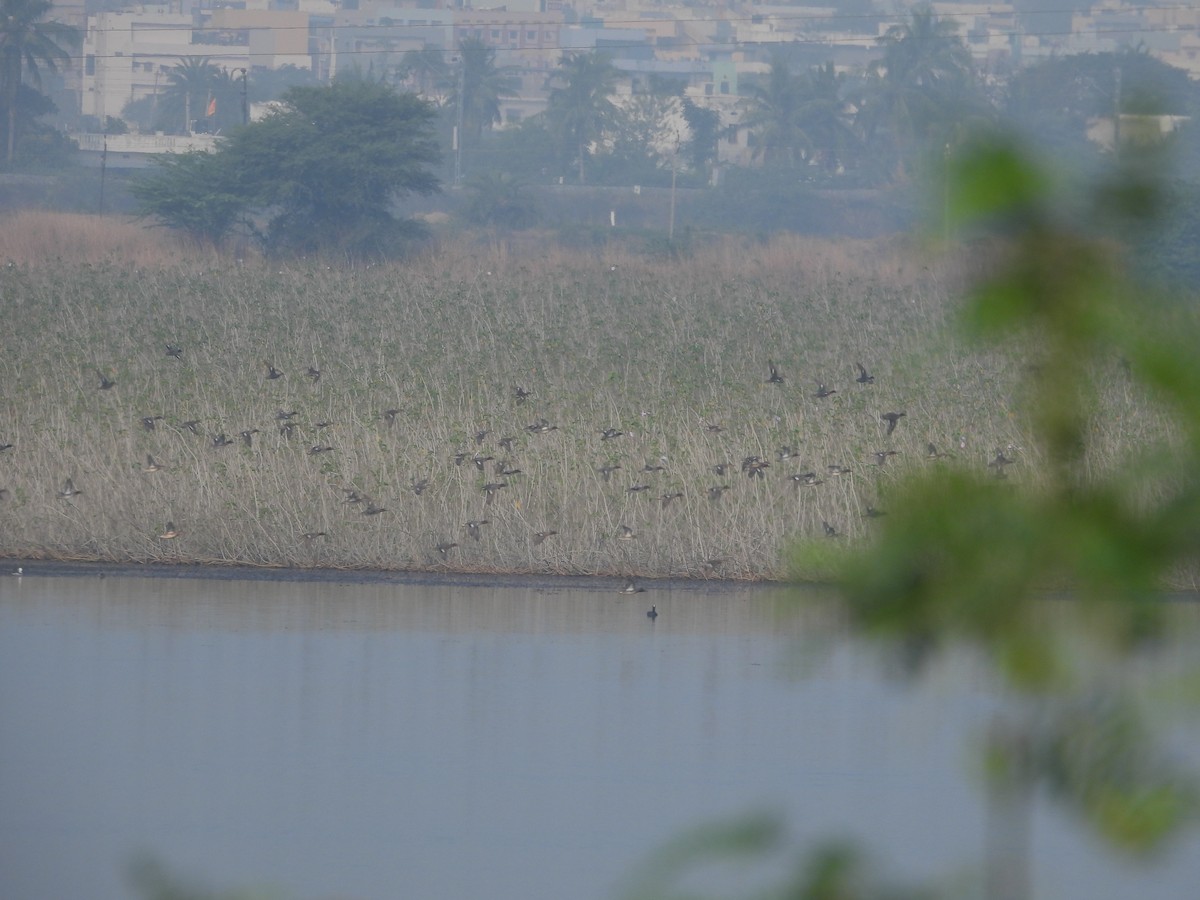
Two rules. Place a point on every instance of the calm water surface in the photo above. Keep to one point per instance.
(440, 741)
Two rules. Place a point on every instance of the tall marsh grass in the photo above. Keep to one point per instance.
(667, 352)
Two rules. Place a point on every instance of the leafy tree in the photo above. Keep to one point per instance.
(27, 44)
(1051, 103)
(967, 559)
(776, 119)
(920, 92)
(322, 171)
(263, 84)
(580, 109)
(499, 200)
(194, 86)
(479, 86)
(193, 193)
(704, 127)
(800, 118)
(426, 70)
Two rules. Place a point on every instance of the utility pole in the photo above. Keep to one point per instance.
(245, 95)
(1117, 112)
(458, 127)
(103, 165)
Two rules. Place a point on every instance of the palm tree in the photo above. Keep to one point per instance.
(26, 44)
(579, 109)
(427, 68)
(920, 86)
(481, 85)
(775, 116)
(190, 86)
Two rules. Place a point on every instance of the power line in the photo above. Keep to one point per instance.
(614, 23)
(240, 50)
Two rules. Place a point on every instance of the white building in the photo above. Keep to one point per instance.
(126, 56)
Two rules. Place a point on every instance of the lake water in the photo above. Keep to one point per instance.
(449, 740)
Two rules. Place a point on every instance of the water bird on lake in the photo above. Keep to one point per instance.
(630, 588)
(170, 534)
(475, 526)
(652, 614)
(864, 377)
(19, 571)
(151, 465)
(248, 436)
(69, 490)
(105, 381)
(149, 422)
(273, 373)
(892, 418)
(314, 373)
(609, 433)
(174, 351)
(822, 391)
(539, 536)
(774, 377)
(221, 440)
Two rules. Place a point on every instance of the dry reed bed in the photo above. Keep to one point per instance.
(657, 350)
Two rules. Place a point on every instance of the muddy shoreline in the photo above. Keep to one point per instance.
(49, 568)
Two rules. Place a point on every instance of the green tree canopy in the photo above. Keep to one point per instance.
(580, 108)
(480, 85)
(28, 44)
(318, 175)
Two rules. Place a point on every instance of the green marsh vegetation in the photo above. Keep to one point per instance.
(675, 354)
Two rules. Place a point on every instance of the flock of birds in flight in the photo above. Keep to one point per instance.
(752, 466)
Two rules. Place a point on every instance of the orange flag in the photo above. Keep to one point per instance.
(212, 107)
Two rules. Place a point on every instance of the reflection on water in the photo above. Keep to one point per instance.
(392, 740)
